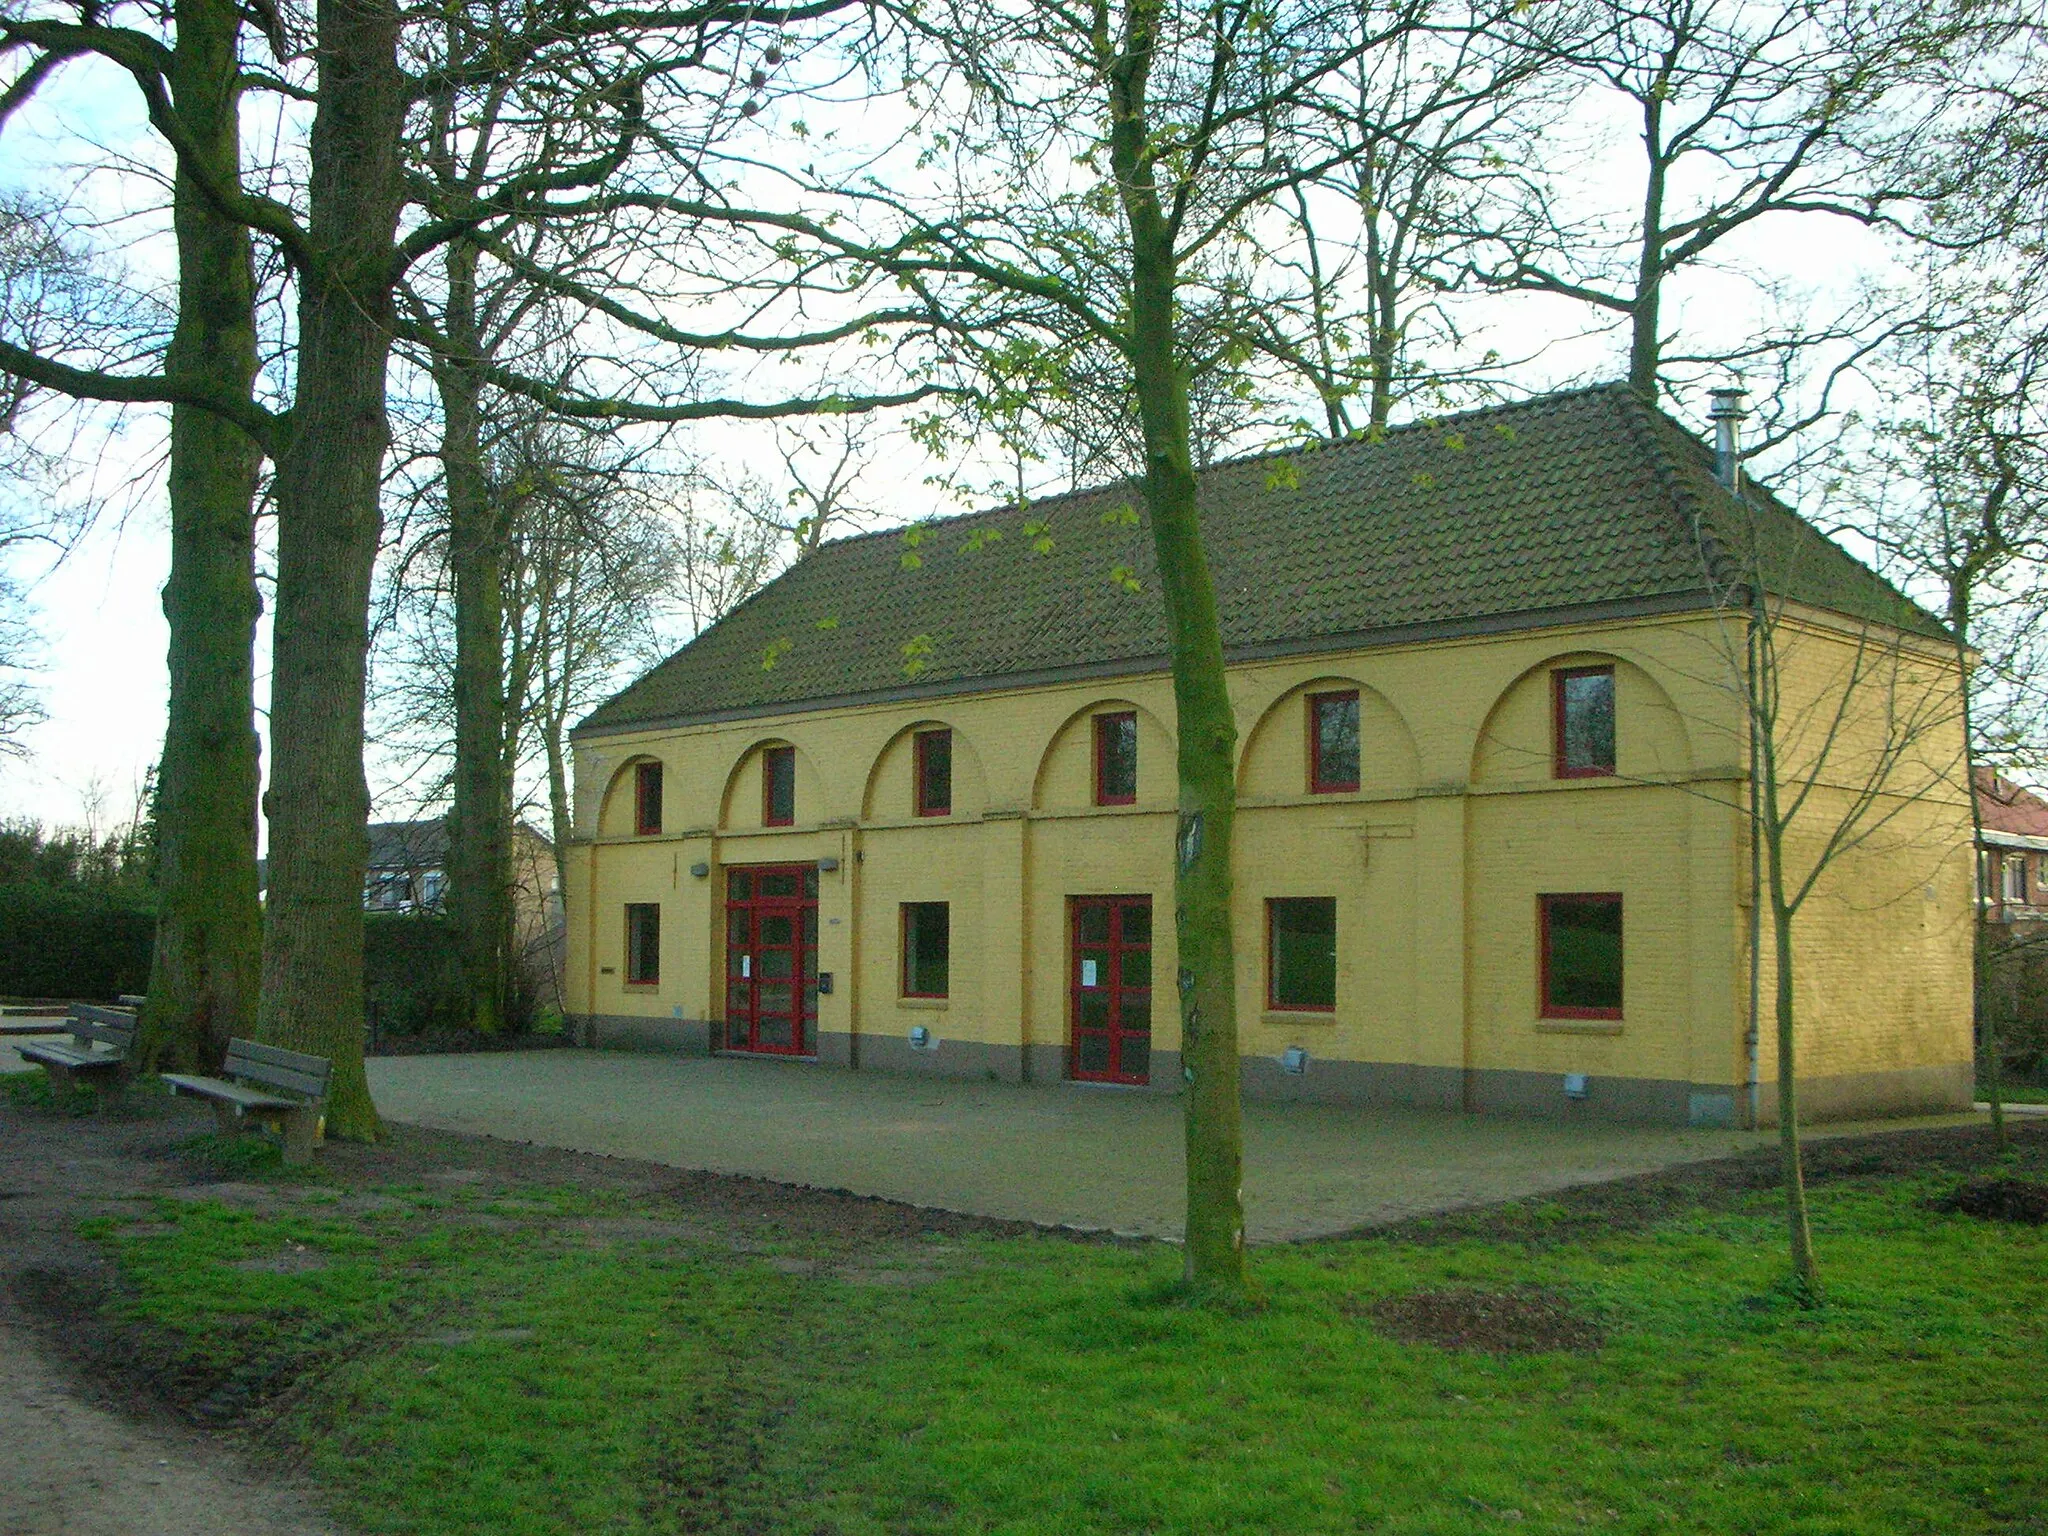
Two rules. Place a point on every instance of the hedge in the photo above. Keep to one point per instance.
(79, 942)
(74, 941)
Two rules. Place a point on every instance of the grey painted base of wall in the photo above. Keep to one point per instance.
(967, 1059)
(1364, 1084)
(630, 1032)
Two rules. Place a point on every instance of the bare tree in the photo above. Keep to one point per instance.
(1954, 492)
(1416, 133)
(1744, 114)
(1857, 767)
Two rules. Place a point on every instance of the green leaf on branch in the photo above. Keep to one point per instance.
(1124, 576)
(913, 538)
(830, 621)
(916, 651)
(1122, 516)
(979, 539)
(1423, 480)
(1039, 532)
(1285, 475)
(774, 651)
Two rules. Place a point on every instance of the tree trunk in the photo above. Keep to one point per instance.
(1645, 348)
(1207, 979)
(328, 526)
(1805, 1273)
(1983, 1021)
(479, 823)
(209, 938)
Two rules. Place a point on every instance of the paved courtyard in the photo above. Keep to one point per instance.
(1063, 1154)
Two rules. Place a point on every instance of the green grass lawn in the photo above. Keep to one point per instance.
(2016, 1091)
(458, 1363)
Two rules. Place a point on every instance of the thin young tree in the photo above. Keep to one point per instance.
(1855, 747)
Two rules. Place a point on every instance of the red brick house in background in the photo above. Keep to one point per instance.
(2012, 855)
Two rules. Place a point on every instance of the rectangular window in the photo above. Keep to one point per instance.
(1583, 721)
(778, 786)
(643, 943)
(1332, 742)
(1301, 953)
(927, 948)
(647, 798)
(934, 773)
(1116, 759)
(1581, 956)
(2016, 877)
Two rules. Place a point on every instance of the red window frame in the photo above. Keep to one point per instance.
(771, 758)
(1102, 724)
(1558, 679)
(903, 949)
(646, 794)
(1317, 784)
(653, 977)
(1273, 1002)
(921, 747)
(1544, 1007)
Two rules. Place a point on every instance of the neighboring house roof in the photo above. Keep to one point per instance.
(1571, 506)
(409, 844)
(2010, 815)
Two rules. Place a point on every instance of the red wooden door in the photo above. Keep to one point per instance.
(771, 959)
(1112, 988)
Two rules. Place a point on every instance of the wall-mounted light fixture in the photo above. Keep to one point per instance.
(920, 1038)
(1294, 1061)
(1575, 1085)
(828, 864)
(700, 869)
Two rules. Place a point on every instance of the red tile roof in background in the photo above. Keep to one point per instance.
(2005, 807)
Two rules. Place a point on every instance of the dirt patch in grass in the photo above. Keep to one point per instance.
(1642, 1201)
(2000, 1199)
(1522, 1320)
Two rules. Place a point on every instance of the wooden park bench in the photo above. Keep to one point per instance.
(101, 1041)
(296, 1110)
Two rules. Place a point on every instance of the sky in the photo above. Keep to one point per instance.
(104, 682)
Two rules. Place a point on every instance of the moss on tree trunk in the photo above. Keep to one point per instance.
(328, 526)
(203, 977)
(479, 821)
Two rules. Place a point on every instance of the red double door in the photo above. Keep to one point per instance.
(1112, 988)
(771, 959)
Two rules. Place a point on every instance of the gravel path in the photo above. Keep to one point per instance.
(1059, 1154)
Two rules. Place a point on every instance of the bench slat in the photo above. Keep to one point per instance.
(244, 1053)
(64, 1056)
(119, 1040)
(229, 1093)
(113, 1018)
(275, 1077)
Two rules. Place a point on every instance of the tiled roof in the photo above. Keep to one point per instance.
(1562, 506)
(2004, 807)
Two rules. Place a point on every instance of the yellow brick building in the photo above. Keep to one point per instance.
(911, 807)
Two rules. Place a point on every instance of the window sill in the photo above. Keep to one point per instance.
(1578, 1026)
(934, 1004)
(1294, 1016)
(640, 986)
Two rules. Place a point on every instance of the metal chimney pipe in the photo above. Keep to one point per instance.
(1727, 415)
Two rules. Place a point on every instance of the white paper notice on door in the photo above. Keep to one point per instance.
(746, 965)
(1087, 973)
